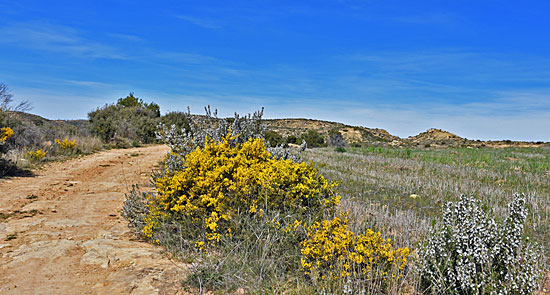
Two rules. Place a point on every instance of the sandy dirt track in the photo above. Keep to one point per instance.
(64, 233)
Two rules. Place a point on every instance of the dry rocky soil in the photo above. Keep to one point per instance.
(61, 231)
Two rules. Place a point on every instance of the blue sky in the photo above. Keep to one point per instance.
(480, 69)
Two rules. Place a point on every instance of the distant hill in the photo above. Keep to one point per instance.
(436, 137)
(351, 134)
(440, 138)
(29, 121)
(357, 135)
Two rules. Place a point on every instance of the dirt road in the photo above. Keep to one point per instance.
(61, 231)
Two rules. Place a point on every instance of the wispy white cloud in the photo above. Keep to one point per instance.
(201, 22)
(45, 36)
(94, 84)
(511, 115)
(453, 62)
(457, 75)
(432, 18)
(126, 37)
(184, 57)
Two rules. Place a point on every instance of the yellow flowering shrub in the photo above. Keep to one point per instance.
(220, 181)
(259, 216)
(332, 252)
(66, 145)
(37, 155)
(5, 133)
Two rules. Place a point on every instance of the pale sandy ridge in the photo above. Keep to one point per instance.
(76, 242)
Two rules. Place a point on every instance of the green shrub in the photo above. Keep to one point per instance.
(340, 149)
(129, 118)
(273, 138)
(313, 138)
(177, 119)
(292, 139)
(131, 102)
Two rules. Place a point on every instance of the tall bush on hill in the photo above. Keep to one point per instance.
(471, 253)
(313, 138)
(130, 118)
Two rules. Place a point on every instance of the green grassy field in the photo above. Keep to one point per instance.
(401, 191)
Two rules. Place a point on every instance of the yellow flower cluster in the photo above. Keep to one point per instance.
(5, 133)
(221, 180)
(66, 144)
(332, 249)
(37, 155)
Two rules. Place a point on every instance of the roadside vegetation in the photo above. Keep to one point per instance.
(347, 221)
(417, 183)
(130, 121)
(27, 141)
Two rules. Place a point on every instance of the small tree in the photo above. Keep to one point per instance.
(131, 101)
(7, 105)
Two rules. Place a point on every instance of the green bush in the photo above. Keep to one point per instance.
(273, 138)
(129, 118)
(177, 119)
(292, 139)
(131, 102)
(313, 139)
(340, 149)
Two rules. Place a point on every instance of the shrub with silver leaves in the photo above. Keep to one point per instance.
(184, 141)
(471, 253)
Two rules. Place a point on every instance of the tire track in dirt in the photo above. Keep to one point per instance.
(61, 231)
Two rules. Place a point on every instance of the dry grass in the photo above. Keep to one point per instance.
(400, 191)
